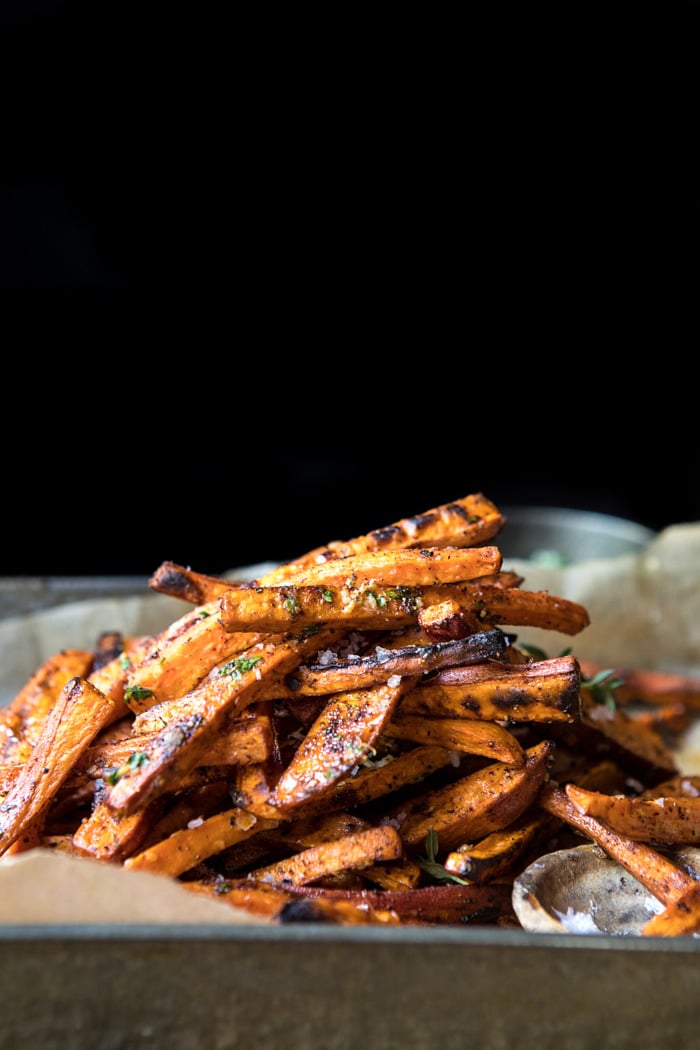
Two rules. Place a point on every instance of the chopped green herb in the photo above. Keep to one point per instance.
(137, 692)
(132, 764)
(239, 666)
(327, 595)
(539, 654)
(377, 599)
(431, 865)
(311, 628)
(602, 687)
(124, 662)
(291, 604)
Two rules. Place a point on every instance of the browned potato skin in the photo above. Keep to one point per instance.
(475, 805)
(431, 905)
(339, 739)
(666, 822)
(78, 714)
(541, 691)
(22, 721)
(404, 568)
(356, 850)
(680, 917)
(501, 853)
(472, 736)
(661, 876)
(466, 522)
(183, 745)
(405, 660)
(181, 582)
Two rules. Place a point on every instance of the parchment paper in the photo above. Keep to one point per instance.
(644, 611)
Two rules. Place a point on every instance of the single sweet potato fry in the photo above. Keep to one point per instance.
(403, 568)
(391, 659)
(679, 918)
(357, 850)
(189, 846)
(663, 821)
(466, 522)
(541, 691)
(431, 905)
(109, 836)
(500, 854)
(340, 739)
(181, 582)
(470, 735)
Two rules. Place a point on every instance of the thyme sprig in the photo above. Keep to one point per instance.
(430, 864)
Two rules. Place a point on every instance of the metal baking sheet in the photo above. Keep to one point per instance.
(331, 988)
(327, 988)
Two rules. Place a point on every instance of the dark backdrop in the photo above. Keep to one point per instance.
(267, 285)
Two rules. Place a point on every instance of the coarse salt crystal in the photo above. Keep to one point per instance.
(394, 680)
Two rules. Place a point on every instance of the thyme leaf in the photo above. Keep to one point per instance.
(430, 864)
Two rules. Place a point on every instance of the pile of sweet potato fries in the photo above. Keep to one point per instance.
(356, 737)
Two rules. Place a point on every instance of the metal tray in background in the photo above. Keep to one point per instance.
(316, 987)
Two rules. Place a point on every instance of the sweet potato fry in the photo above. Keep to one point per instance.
(472, 736)
(349, 852)
(430, 905)
(402, 568)
(242, 742)
(666, 880)
(392, 659)
(287, 906)
(178, 661)
(680, 917)
(109, 836)
(187, 847)
(369, 784)
(23, 719)
(466, 522)
(500, 854)
(541, 691)
(183, 745)
(340, 739)
(180, 582)
(76, 717)
(475, 805)
(193, 804)
(664, 821)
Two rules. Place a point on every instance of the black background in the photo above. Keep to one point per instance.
(270, 284)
